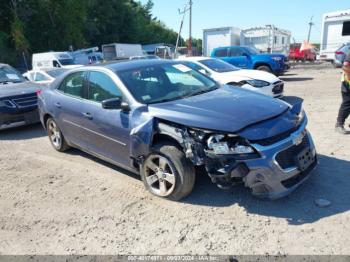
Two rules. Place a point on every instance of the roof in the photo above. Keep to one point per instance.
(133, 64)
(194, 58)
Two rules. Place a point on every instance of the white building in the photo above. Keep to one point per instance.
(335, 33)
(219, 37)
(268, 39)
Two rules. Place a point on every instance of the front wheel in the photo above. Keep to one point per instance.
(55, 135)
(167, 172)
(264, 68)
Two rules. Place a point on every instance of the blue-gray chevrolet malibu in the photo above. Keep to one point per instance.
(162, 119)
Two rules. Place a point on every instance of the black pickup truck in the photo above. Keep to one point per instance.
(18, 99)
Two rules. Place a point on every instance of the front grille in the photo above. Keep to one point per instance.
(24, 101)
(272, 140)
(287, 158)
(278, 87)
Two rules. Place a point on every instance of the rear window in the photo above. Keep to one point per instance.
(218, 65)
(221, 53)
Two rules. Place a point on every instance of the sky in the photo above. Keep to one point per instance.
(292, 15)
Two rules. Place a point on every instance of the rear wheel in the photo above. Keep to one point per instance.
(55, 135)
(264, 68)
(168, 173)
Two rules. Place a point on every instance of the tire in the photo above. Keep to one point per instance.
(264, 68)
(167, 173)
(56, 137)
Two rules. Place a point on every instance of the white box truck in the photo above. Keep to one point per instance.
(335, 33)
(219, 37)
(117, 51)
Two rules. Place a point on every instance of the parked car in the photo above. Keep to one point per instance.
(161, 119)
(18, 99)
(227, 74)
(305, 55)
(340, 55)
(250, 58)
(44, 77)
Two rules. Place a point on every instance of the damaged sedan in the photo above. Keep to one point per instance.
(161, 119)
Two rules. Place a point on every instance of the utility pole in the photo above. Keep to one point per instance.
(311, 24)
(190, 38)
(181, 25)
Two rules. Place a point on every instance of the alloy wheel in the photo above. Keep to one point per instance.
(160, 176)
(54, 134)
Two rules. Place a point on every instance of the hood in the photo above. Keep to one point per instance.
(244, 74)
(225, 109)
(13, 89)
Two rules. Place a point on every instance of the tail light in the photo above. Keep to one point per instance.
(38, 92)
(339, 53)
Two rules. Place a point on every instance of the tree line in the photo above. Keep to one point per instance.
(29, 26)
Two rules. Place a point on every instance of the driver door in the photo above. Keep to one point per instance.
(109, 129)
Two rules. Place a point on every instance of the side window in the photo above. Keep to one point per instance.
(73, 84)
(346, 28)
(236, 52)
(221, 53)
(40, 77)
(101, 87)
(55, 63)
(32, 76)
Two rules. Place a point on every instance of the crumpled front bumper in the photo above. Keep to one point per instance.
(278, 172)
(273, 176)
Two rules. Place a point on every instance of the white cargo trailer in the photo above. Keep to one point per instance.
(335, 33)
(121, 51)
(218, 37)
(267, 39)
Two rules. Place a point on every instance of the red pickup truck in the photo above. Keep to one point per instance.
(305, 55)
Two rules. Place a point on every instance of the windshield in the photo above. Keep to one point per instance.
(56, 72)
(9, 74)
(218, 65)
(165, 82)
(66, 62)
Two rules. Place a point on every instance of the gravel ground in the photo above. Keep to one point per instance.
(71, 203)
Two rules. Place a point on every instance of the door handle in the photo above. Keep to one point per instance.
(58, 105)
(87, 115)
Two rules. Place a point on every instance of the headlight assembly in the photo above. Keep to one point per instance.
(228, 145)
(257, 83)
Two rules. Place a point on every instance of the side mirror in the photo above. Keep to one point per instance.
(245, 54)
(115, 103)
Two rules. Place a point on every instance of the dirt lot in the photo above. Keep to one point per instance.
(71, 203)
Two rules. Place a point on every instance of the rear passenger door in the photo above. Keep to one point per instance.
(109, 130)
(68, 105)
(223, 54)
